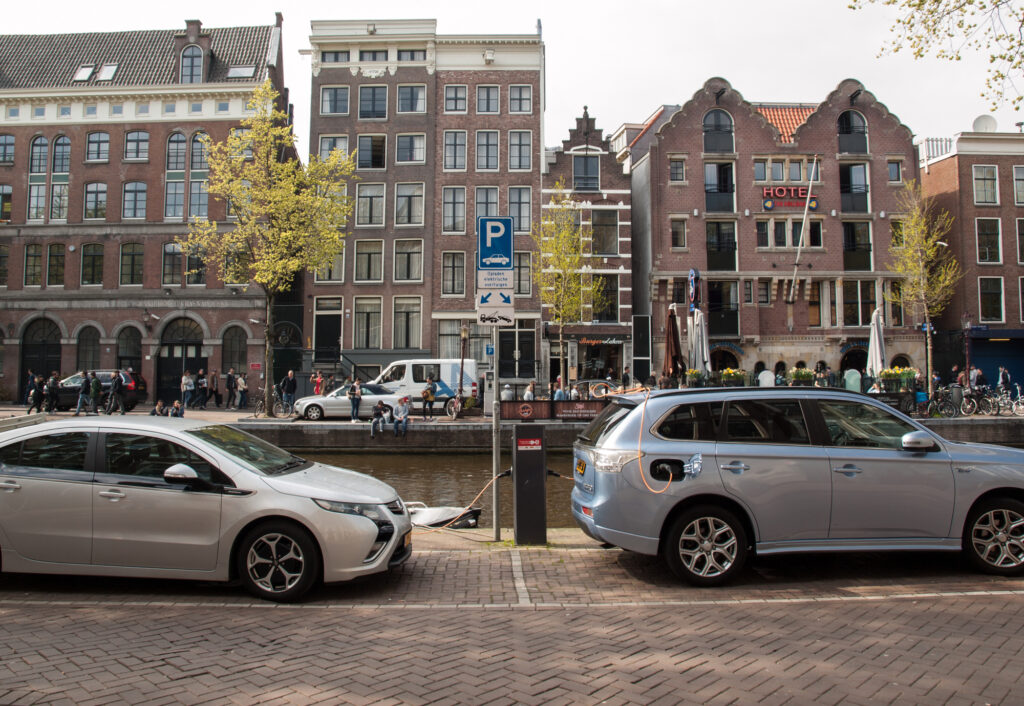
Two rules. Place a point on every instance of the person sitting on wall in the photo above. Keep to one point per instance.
(402, 416)
(160, 410)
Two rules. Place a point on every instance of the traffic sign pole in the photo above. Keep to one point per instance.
(495, 439)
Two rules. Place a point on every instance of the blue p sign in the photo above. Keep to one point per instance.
(494, 247)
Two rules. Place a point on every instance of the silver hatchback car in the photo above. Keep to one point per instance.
(707, 477)
(176, 498)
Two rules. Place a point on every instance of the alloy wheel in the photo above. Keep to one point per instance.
(275, 562)
(998, 538)
(708, 546)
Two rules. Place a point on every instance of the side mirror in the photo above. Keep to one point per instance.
(918, 441)
(179, 473)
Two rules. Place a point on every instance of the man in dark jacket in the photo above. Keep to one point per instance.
(52, 392)
(35, 395)
(230, 386)
(84, 391)
(116, 393)
(288, 386)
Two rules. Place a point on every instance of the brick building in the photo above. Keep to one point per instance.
(720, 186)
(100, 170)
(602, 344)
(446, 128)
(978, 178)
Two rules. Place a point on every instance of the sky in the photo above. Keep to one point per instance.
(622, 60)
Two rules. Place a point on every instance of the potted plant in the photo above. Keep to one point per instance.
(734, 377)
(801, 376)
(694, 378)
(890, 378)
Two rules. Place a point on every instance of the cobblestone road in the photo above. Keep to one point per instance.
(494, 624)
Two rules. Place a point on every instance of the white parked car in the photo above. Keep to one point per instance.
(178, 498)
(337, 404)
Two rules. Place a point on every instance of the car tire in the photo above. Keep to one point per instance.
(994, 537)
(706, 546)
(278, 561)
(314, 413)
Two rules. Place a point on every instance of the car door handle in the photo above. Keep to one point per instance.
(849, 470)
(114, 495)
(736, 467)
(9, 485)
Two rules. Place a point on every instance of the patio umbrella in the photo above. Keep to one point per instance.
(697, 338)
(672, 364)
(876, 344)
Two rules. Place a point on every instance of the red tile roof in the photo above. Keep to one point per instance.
(648, 125)
(787, 118)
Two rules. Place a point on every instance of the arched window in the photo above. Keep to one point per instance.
(234, 349)
(89, 348)
(853, 132)
(192, 65)
(176, 146)
(199, 152)
(718, 131)
(129, 348)
(62, 155)
(38, 155)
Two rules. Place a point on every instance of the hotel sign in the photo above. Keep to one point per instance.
(788, 197)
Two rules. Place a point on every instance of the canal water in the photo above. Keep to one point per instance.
(436, 479)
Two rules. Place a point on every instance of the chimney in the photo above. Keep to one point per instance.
(192, 29)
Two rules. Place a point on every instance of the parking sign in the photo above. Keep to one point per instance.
(494, 243)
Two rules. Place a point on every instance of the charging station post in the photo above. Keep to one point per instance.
(529, 477)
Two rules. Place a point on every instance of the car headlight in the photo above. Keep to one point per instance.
(612, 461)
(377, 513)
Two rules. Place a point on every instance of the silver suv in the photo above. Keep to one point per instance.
(707, 477)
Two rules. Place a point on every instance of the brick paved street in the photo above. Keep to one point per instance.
(465, 621)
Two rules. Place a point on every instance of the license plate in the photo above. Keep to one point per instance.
(581, 466)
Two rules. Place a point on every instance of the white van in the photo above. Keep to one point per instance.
(409, 377)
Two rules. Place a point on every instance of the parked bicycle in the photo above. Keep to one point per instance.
(260, 406)
(940, 405)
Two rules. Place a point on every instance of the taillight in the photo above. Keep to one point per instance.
(131, 384)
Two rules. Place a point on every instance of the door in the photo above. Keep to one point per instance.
(140, 520)
(879, 490)
(46, 497)
(181, 349)
(766, 460)
(40, 351)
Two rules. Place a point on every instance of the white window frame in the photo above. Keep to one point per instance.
(394, 321)
(496, 111)
(385, 161)
(453, 295)
(355, 322)
(1020, 298)
(529, 151)
(685, 220)
(398, 92)
(465, 208)
(529, 279)
(465, 88)
(394, 258)
(355, 261)
(1002, 301)
(320, 143)
(889, 161)
(529, 204)
(529, 90)
(476, 151)
(423, 208)
(1020, 236)
(1015, 168)
(977, 243)
(497, 202)
(383, 210)
(317, 312)
(444, 148)
(423, 138)
(338, 274)
(348, 102)
(974, 185)
(360, 101)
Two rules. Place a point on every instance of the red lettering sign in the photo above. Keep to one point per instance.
(528, 444)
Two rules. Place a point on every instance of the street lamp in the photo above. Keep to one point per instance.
(463, 340)
(965, 319)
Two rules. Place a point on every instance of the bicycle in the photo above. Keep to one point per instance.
(260, 406)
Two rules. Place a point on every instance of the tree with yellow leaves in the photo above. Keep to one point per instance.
(928, 271)
(288, 218)
(564, 282)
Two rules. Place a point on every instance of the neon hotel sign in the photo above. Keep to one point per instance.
(788, 196)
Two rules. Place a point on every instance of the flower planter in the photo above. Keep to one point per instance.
(732, 383)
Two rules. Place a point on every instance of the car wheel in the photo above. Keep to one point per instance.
(994, 537)
(706, 546)
(278, 561)
(314, 413)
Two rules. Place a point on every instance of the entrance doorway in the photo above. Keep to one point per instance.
(181, 348)
(722, 359)
(40, 350)
(856, 358)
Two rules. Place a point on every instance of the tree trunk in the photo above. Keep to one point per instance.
(561, 356)
(268, 358)
(928, 353)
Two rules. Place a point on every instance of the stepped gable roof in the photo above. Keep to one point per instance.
(786, 117)
(143, 57)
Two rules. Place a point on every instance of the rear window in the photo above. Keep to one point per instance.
(607, 420)
(766, 422)
(691, 422)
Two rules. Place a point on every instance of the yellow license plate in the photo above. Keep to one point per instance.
(581, 466)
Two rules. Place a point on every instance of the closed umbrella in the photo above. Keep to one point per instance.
(697, 337)
(876, 344)
(672, 364)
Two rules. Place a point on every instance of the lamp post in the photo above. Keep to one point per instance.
(965, 319)
(463, 340)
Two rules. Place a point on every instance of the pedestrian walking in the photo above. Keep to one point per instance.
(625, 378)
(402, 416)
(95, 392)
(379, 419)
(188, 388)
(84, 390)
(116, 401)
(429, 395)
(355, 396)
(1004, 379)
(214, 387)
(288, 387)
(242, 387)
(202, 386)
(52, 391)
(30, 383)
(230, 385)
(36, 395)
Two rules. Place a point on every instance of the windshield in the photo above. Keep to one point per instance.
(604, 422)
(249, 450)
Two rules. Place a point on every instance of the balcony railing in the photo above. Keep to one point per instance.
(586, 183)
(724, 321)
(854, 199)
(718, 201)
(857, 259)
(724, 259)
(853, 142)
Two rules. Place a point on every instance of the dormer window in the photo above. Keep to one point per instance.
(192, 64)
(718, 131)
(107, 72)
(241, 71)
(83, 73)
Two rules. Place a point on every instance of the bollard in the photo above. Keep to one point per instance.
(529, 478)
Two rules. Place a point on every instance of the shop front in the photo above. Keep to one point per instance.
(594, 354)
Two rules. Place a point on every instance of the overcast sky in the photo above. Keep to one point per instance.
(620, 59)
